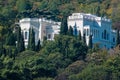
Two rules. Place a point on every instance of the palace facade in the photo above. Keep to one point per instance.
(99, 27)
(41, 26)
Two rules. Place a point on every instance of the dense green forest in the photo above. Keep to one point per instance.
(67, 57)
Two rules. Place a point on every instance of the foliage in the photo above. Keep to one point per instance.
(79, 36)
(31, 40)
(97, 66)
(10, 40)
(62, 59)
(70, 31)
(117, 38)
(64, 26)
(22, 5)
(90, 42)
(84, 38)
(20, 41)
(70, 47)
(38, 46)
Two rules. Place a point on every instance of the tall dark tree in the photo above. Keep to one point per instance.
(38, 45)
(98, 10)
(1, 48)
(15, 53)
(90, 44)
(75, 30)
(31, 41)
(117, 38)
(79, 36)
(23, 5)
(84, 38)
(10, 39)
(64, 26)
(70, 31)
(20, 41)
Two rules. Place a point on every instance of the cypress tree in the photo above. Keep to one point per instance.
(15, 53)
(38, 45)
(117, 38)
(64, 26)
(20, 41)
(31, 40)
(70, 31)
(75, 30)
(84, 38)
(1, 48)
(98, 10)
(79, 36)
(10, 39)
(90, 44)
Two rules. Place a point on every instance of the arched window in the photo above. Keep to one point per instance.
(84, 32)
(26, 34)
(105, 34)
(49, 36)
(87, 32)
(113, 39)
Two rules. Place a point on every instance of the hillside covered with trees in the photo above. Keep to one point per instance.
(67, 57)
(14, 10)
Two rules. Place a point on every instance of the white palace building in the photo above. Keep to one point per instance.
(41, 26)
(99, 27)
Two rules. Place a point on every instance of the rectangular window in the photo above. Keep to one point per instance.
(26, 35)
(49, 36)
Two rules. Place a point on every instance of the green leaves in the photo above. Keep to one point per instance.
(20, 41)
(31, 40)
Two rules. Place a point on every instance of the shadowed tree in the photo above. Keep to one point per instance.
(31, 40)
(116, 25)
(23, 5)
(90, 42)
(75, 30)
(84, 39)
(117, 38)
(64, 26)
(1, 48)
(10, 39)
(79, 36)
(20, 41)
(70, 31)
(38, 45)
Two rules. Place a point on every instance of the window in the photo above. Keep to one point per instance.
(26, 35)
(105, 34)
(87, 32)
(49, 36)
(84, 32)
(113, 39)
